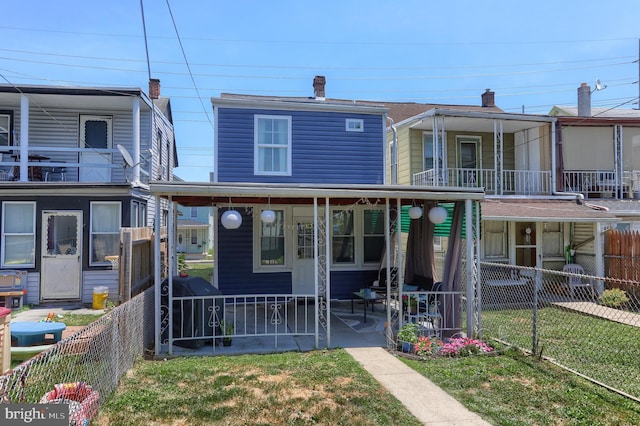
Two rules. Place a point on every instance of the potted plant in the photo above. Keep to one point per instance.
(227, 331)
(182, 265)
(410, 304)
(408, 336)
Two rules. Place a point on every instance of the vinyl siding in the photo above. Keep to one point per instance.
(322, 150)
(235, 263)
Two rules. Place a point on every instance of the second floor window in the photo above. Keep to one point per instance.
(272, 138)
(5, 129)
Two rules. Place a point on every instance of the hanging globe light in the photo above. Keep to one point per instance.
(415, 212)
(231, 219)
(438, 215)
(268, 216)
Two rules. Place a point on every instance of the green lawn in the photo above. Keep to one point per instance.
(319, 387)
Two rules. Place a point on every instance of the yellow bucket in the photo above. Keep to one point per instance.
(100, 295)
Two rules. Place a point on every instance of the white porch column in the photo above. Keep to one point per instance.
(327, 265)
(24, 138)
(135, 138)
(157, 282)
(172, 266)
(316, 268)
(471, 277)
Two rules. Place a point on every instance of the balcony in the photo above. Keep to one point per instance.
(602, 183)
(61, 164)
(513, 182)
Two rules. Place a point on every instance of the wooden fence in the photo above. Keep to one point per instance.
(136, 262)
(622, 260)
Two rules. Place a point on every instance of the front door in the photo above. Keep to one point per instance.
(61, 254)
(469, 164)
(304, 259)
(95, 139)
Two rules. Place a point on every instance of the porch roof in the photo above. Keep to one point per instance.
(544, 211)
(203, 194)
(477, 121)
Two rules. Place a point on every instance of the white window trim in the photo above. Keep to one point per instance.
(354, 125)
(477, 140)
(256, 146)
(288, 240)
(88, 117)
(21, 265)
(119, 204)
(360, 238)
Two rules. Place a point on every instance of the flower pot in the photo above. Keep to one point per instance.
(226, 342)
(407, 347)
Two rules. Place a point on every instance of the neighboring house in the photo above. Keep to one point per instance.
(600, 156)
(527, 217)
(195, 231)
(75, 164)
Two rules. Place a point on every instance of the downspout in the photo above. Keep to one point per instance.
(394, 152)
(554, 191)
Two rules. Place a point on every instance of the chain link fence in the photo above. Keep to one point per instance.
(585, 323)
(93, 359)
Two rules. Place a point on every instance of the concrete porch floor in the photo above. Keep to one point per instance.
(341, 336)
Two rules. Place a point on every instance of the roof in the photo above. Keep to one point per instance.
(544, 210)
(189, 223)
(206, 194)
(619, 207)
(230, 100)
(401, 111)
(596, 112)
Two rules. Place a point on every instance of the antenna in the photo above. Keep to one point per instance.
(599, 86)
(128, 161)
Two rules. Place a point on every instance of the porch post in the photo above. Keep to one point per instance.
(499, 156)
(171, 258)
(387, 236)
(327, 265)
(477, 283)
(471, 278)
(315, 273)
(157, 275)
(24, 138)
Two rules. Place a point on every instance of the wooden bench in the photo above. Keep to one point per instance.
(12, 288)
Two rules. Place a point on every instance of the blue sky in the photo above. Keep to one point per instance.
(532, 54)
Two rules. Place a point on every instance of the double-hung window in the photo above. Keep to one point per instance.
(272, 153)
(272, 241)
(373, 235)
(105, 231)
(5, 128)
(18, 234)
(343, 237)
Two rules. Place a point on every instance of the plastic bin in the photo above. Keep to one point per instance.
(5, 340)
(100, 295)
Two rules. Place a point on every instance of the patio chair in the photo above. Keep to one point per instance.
(574, 281)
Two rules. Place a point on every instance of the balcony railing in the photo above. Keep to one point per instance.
(514, 182)
(59, 164)
(602, 183)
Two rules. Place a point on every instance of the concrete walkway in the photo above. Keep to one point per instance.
(432, 406)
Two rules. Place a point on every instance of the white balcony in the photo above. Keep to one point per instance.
(513, 182)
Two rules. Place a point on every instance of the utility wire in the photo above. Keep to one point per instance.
(186, 61)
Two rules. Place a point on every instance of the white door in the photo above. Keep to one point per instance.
(304, 260)
(95, 137)
(61, 254)
(180, 246)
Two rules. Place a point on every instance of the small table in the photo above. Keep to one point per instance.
(34, 332)
(367, 299)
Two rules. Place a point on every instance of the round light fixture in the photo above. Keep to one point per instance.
(231, 219)
(268, 216)
(438, 215)
(415, 212)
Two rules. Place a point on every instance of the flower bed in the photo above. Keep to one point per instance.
(430, 346)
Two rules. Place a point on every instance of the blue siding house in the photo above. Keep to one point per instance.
(298, 141)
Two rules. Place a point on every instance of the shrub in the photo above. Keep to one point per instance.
(614, 297)
(409, 333)
(427, 346)
(464, 346)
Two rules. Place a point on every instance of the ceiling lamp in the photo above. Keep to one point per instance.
(268, 216)
(231, 219)
(415, 212)
(438, 215)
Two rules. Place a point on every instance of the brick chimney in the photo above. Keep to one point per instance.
(318, 86)
(488, 98)
(154, 88)
(584, 100)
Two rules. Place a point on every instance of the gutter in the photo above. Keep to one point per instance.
(394, 152)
